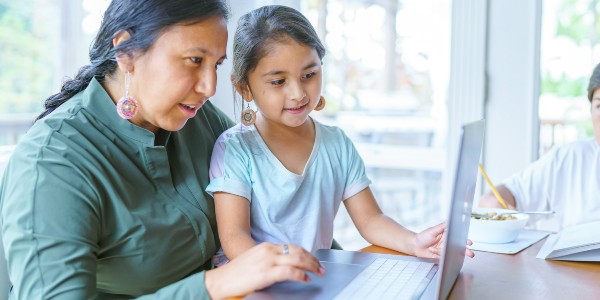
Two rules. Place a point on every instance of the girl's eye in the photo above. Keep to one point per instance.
(217, 65)
(277, 82)
(309, 75)
(196, 60)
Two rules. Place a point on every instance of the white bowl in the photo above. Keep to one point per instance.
(496, 231)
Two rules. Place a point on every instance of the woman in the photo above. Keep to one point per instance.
(104, 197)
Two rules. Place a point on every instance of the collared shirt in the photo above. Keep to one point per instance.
(91, 207)
(565, 180)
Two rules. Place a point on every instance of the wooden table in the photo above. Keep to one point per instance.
(521, 276)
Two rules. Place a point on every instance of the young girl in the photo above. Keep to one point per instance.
(282, 175)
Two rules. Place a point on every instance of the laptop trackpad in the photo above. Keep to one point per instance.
(336, 278)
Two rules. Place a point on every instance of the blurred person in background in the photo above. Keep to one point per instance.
(565, 180)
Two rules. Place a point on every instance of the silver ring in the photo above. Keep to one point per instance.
(284, 249)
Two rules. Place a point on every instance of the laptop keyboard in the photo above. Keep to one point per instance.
(389, 279)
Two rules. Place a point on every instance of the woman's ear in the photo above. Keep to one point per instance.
(124, 60)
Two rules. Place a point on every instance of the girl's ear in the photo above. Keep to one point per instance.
(124, 60)
(243, 90)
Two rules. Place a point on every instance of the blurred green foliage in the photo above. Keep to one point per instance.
(563, 86)
(26, 55)
(578, 21)
(585, 128)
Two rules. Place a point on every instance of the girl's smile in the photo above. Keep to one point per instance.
(296, 110)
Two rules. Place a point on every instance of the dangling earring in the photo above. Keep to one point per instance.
(127, 107)
(321, 104)
(248, 116)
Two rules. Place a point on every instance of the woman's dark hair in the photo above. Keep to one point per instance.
(259, 28)
(144, 20)
(594, 82)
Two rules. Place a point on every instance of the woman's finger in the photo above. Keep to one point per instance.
(299, 258)
(301, 262)
(286, 272)
(289, 249)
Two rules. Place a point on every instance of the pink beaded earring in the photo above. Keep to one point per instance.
(248, 116)
(127, 107)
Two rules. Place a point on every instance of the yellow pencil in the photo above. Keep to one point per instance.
(498, 197)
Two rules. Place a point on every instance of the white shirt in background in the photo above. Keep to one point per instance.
(566, 180)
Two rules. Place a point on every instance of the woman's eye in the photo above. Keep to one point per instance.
(196, 60)
(277, 82)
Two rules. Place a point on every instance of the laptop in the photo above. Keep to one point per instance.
(361, 275)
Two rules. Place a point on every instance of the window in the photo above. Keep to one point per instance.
(386, 74)
(570, 51)
(42, 43)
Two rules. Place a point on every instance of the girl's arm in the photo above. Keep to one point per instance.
(233, 223)
(377, 228)
(381, 230)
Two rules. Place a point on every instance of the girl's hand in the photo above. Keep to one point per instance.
(429, 242)
(259, 267)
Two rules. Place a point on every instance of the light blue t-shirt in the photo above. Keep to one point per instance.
(286, 207)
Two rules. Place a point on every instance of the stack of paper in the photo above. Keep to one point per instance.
(577, 243)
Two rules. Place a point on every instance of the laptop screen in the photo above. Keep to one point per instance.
(461, 203)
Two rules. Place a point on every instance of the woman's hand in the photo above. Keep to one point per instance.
(260, 267)
(429, 242)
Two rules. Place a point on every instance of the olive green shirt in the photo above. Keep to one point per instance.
(93, 206)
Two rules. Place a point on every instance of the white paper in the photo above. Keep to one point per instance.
(547, 247)
(579, 235)
(525, 239)
(577, 243)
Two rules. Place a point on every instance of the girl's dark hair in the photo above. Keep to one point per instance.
(144, 20)
(256, 31)
(594, 82)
